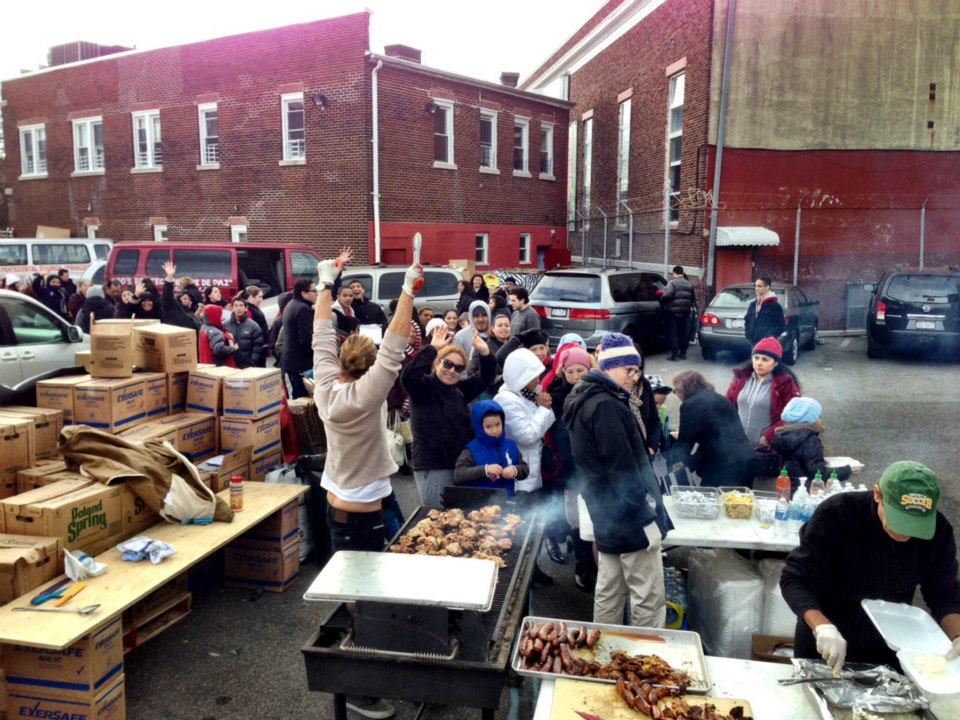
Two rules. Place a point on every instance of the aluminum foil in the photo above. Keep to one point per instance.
(893, 692)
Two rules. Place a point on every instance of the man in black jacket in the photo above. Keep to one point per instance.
(619, 487)
(678, 299)
(764, 317)
(96, 306)
(298, 335)
(864, 546)
(177, 310)
(366, 311)
(247, 335)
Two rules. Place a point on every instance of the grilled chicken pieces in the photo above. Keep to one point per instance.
(483, 534)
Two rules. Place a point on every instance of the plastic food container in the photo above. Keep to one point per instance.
(697, 503)
(737, 502)
(765, 507)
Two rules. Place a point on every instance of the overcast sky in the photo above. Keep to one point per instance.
(479, 39)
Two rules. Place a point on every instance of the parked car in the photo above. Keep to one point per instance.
(912, 309)
(382, 283)
(35, 344)
(722, 322)
(26, 256)
(274, 267)
(592, 301)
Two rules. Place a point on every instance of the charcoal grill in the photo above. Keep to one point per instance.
(431, 655)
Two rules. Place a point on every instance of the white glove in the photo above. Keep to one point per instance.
(831, 646)
(413, 280)
(954, 651)
(327, 272)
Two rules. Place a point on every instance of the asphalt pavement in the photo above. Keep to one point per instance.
(237, 656)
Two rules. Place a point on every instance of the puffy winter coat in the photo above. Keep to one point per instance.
(526, 421)
(801, 449)
(174, 312)
(297, 336)
(724, 455)
(249, 339)
(769, 322)
(785, 388)
(678, 297)
(213, 345)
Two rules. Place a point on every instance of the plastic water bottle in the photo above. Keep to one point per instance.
(817, 486)
(833, 483)
(795, 519)
(781, 519)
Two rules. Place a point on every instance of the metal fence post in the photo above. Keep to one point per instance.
(796, 248)
(923, 231)
(629, 233)
(600, 210)
(666, 228)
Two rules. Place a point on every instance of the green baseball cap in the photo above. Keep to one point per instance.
(910, 494)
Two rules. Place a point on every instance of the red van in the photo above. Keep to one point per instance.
(231, 266)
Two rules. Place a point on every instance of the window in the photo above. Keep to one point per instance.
(32, 325)
(572, 176)
(675, 142)
(209, 135)
(33, 151)
(443, 135)
(159, 233)
(147, 150)
(567, 287)
(155, 261)
(587, 168)
(524, 248)
(623, 158)
(635, 287)
(304, 265)
(546, 151)
(438, 284)
(488, 140)
(101, 252)
(521, 146)
(294, 128)
(390, 284)
(365, 280)
(210, 264)
(93, 232)
(60, 254)
(238, 233)
(482, 245)
(88, 145)
(126, 262)
(13, 255)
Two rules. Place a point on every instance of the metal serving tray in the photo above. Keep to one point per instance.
(680, 648)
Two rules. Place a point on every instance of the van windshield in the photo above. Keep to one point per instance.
(567, 287)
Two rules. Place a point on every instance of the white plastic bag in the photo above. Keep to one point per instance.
(777, 618)
(725, 596)
(183, 503)
(78, 565)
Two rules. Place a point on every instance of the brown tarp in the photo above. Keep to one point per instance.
(145, 468)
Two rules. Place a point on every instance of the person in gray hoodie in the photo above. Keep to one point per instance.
(480, 322)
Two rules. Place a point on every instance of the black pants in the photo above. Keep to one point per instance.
(355, 531)
(297, 388)
(679, 336)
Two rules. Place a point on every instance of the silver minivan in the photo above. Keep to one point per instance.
(382, 283)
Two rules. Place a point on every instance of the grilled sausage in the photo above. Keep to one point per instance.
(557, 666)
(545, 631)
(566, 657)
(547, 650)
(581, 636)
(592, 638)
(538, 645)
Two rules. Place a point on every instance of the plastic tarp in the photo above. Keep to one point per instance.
(725, 596)
(777, 617)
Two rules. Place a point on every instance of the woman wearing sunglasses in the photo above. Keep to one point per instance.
(439, 399)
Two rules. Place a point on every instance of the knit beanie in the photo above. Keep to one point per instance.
(770, 347)
(572, 337)
(803, 410)
(617, 350)
(532, 337)
(575, 356)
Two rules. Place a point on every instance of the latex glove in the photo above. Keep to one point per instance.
(954, 651)
(413, 280)
(327, 272)
(831, 646)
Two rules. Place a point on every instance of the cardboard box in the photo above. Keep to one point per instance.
(259, 467)
(165, 348)
(48, 424)
(110, 405)
(158, 429)
(306, 421)
(57, 394)
(84, 359)
(17, 451)
(111, 349)
(137, 515)
(204, 388)
(274, 568)
(193, 434)
(773, 648)
(217, 471)
(38, 475)
(12, 506)
(262, 434)
(253, 393)
(278, 529)
(26, 481)
(177, 392)
(85, 518)
(155, 402)
(27, 701)
(88, 666)
(26, 563)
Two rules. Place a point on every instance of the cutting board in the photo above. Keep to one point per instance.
(601, 699)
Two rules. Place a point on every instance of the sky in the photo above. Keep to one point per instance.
(479, 39)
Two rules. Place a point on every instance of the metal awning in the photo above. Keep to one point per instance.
(746, 236)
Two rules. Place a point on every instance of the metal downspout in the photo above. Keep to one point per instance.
(375, 142)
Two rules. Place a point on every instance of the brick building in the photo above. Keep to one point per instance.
(267, 136)
(840, 141)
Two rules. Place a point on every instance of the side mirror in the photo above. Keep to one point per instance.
(74, 334)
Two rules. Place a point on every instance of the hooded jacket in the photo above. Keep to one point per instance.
(174, 313)
(769, 322)
(213, 346)
(783, 390)
(249, 338)
(619, 486)
(526, 422)
(464, 337)
(801, 449)
(678, 297)
(50, 296)
(486, 450)
(95, 305)
(126, 311)
(724, 455)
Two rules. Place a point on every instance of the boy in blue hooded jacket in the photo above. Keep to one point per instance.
(491, 459)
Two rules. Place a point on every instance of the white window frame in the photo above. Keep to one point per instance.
(674, 80)
(484, 249)
(491, 167)
(93, 232)
(546, 140)
(572, 175)
(154, 137)
(238, 233)
(526, 242)
(587, 169)
(524, 125)
(447, 107)
(208, 161)
(95, 160)
(292, 155)
(160, 233)
(38, 163)
(624, 112)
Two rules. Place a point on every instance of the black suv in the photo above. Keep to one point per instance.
(917, 310)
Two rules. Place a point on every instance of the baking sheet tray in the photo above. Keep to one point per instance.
(680, 648)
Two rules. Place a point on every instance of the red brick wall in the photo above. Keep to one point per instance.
(325, 203)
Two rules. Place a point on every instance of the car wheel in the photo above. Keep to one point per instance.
(791, 354)
(874, 349)
(811, 344)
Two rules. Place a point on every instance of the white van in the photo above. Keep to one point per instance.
(25, 256)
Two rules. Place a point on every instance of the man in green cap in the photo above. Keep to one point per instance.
(878, 545)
